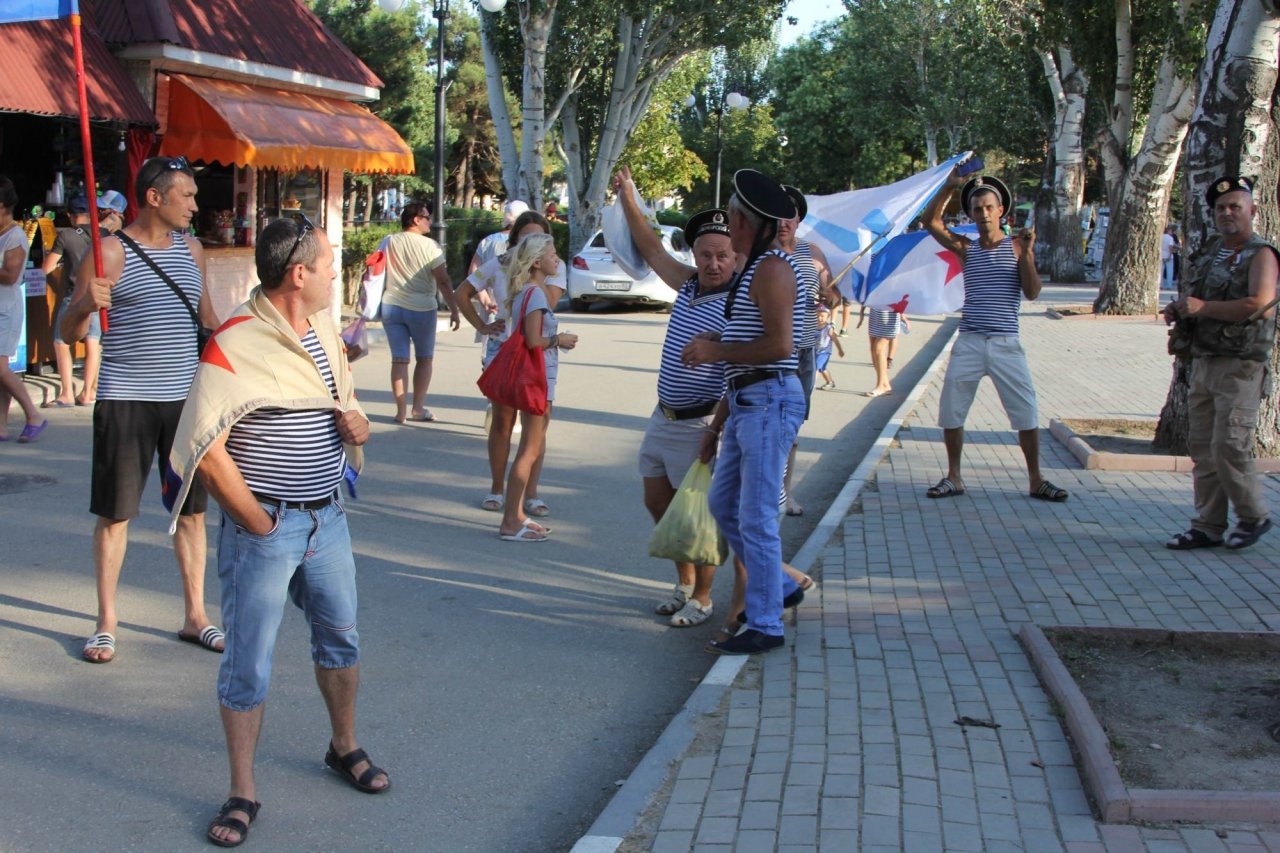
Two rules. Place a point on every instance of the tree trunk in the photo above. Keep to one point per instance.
(1114, 139)
(533, 100)
(352, 198)
(1233, 131)
(368, 202)
(497, 90)
(1131, 259)
(1064, 260)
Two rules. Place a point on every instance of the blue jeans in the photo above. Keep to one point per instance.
(307, 558)
(401, 326)
(763, 421)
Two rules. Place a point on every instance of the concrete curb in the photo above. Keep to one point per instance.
(1116, 802)
(1096, 460)
(623, 812)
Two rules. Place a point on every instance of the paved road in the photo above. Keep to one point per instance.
(847, 739)
(506, 687)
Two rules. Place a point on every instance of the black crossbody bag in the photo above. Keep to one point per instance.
(202, 334)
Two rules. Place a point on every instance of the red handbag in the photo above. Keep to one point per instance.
(517, 376)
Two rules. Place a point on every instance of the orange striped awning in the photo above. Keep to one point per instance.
(221, 121)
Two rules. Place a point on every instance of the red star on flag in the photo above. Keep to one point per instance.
(954, 267)
(213, 353)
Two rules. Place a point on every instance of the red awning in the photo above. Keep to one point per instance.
(39, 75)
(221, 121)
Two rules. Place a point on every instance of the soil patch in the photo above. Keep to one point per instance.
(1182, 711)
(1116, 435)
(1072, 310)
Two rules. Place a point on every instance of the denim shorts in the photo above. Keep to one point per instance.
(402, 326)
(95, 323)
(305, 558)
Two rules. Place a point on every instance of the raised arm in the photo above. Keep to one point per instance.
(649, 244)
(933, 217)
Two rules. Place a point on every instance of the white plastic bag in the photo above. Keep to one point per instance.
(372, 283)
(617, 238)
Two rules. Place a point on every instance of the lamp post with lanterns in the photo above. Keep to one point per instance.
(731, 101)
(440, 11)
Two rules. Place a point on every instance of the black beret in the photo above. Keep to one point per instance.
(802, 206)
(713, 221)
(763, 194)
(986, 182)
(1228, 184)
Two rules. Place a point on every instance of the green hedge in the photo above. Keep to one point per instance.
(466, 227)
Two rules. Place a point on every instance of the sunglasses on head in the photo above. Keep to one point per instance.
(305, 227)
(170, 164)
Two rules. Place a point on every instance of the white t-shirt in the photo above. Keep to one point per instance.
(12, 305)
(1166, 247)
(490, 276)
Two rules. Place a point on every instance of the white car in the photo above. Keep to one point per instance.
(594, 277)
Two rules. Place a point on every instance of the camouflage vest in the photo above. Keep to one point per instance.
(1213, 281)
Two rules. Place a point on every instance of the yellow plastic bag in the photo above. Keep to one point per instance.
(687, 532)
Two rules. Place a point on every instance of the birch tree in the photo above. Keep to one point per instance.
(1059, 223)
(1232, 131)
(1138, 186)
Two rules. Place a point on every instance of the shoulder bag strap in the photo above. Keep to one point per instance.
(164, 276)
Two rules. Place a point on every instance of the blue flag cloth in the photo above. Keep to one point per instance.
(16, 11)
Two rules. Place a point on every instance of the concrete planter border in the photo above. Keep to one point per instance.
(1116, 802)
(1096, 460)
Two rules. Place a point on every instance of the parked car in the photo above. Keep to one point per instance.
(594, 277)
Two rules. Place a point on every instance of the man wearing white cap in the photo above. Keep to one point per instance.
(496, 243)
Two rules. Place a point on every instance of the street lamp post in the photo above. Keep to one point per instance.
(440, 12)
(731, 101)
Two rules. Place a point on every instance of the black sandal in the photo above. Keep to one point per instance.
(1192, 539)
(345, 763)
(233, 804)
(1049, 492)
(1246, 533)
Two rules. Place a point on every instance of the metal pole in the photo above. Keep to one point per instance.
(437, 214)
(719, 115)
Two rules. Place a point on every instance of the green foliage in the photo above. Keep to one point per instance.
(659, 161)
(394, 48)
(359, 243)
(858, 100)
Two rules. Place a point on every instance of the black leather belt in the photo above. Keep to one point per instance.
(698, 411)
(318, 503)
(742, 380)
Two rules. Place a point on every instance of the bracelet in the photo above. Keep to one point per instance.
(555, 342)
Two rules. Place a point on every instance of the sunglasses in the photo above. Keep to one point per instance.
(170, 164)
(305, 227)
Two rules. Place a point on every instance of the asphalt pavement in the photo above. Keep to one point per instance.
(507, 688)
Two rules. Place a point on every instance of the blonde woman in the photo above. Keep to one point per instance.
(528, 267)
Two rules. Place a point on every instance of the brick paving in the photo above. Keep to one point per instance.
(846, 740)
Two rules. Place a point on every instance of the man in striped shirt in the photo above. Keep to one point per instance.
(275, 472)
(764, 403)
(998, 272)
(149, 355)
(687, 397)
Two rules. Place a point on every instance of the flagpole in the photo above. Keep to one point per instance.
(86, 145)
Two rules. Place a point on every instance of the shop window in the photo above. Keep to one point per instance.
(284, 193)
(215, 186)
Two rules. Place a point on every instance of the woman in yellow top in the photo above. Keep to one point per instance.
(416, 282)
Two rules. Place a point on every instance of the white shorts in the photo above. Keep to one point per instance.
(1002, 358)
(12, 310)
(669, 448)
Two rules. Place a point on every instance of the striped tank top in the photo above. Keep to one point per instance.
(149, 345)
(746, 324)
(291, 455)
(683, 387)
(806, 309)
(992, 290)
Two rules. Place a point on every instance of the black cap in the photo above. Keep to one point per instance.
(78, 204)
(713, 221)
(802, 206)
(1228, 184)
(763, 194)
(986, 182)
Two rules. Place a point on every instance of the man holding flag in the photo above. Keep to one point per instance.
(998, 272)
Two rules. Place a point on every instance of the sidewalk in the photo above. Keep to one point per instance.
(846, 740)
